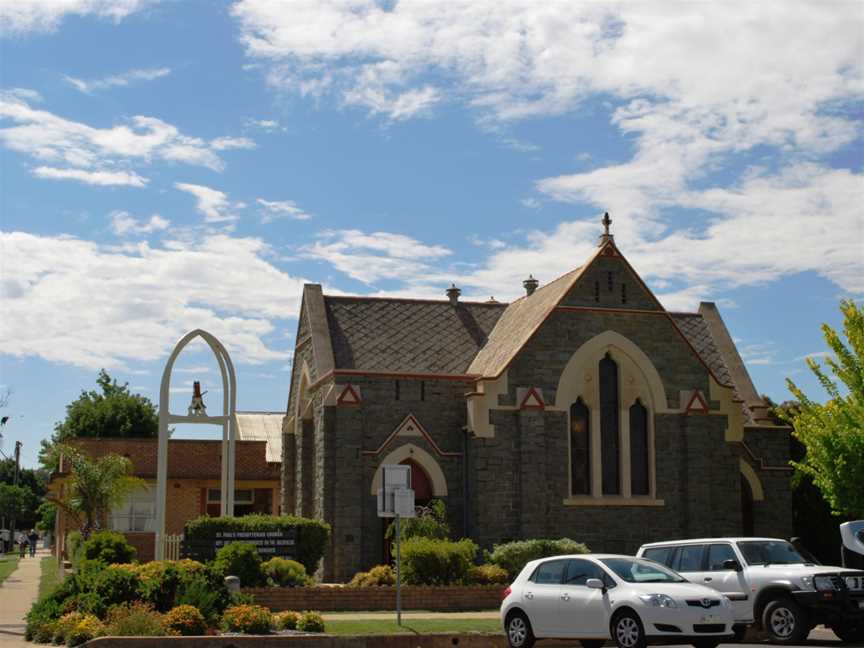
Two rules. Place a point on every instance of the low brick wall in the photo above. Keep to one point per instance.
(442, 640)
(338, 598)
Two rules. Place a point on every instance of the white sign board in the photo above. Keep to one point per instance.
(395, 496)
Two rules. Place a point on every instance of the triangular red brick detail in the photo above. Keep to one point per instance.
(348, 396)
(532, 400)
(701, 408)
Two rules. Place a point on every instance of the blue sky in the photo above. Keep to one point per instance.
(173, 165)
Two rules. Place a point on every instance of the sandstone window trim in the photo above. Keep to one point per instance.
(638, 383)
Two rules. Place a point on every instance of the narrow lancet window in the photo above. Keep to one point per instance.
(639, 472)
(580, 449)
(609, 425)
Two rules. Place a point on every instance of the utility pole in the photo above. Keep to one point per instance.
(15, 481)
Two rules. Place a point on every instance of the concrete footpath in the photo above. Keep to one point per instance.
(17, 594)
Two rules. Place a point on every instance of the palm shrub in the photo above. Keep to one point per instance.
(185, 620)
(239, 559)
(282, 572)
(207, 593)
(94, 487)
(513, 556)
(437, 562)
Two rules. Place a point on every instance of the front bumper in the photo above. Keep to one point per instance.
(831, 606)
(682, 622)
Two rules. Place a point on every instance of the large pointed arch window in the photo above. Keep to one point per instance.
(610, 433)
(580, 448)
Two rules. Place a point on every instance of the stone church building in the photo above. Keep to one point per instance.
(583, 409)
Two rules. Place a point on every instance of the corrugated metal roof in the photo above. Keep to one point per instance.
(262, 426)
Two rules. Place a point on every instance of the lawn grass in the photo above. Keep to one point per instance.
(8, 563)
(48, 575)
(415, 626)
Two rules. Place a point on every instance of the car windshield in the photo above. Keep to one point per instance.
(770, 552)
(633, 570)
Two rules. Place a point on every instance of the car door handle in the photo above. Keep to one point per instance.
(529, 595)
(707, 579)
(565, 596)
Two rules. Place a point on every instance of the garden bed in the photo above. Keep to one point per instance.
(437, 598)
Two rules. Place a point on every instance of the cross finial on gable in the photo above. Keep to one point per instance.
(606, 223)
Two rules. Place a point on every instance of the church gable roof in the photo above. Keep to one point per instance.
(518, 323)
(407, 335)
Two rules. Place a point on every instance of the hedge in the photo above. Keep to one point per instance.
(437, 562)
(312, 535)
(513, 556)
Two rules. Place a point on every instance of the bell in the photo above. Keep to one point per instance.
(197, 407)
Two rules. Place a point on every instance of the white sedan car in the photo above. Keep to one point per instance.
(597, 596)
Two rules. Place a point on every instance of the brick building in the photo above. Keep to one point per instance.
(193, 480)
(583, 409)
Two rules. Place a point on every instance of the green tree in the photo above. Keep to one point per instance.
(35, 480)
(94, 487)
(113, 411)
(18, 502)
(833, 432)
(46, 516)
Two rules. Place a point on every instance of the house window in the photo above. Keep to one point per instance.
(138, 512)
(609, 433)
(580, 449)
(639, 470)
(244, 500)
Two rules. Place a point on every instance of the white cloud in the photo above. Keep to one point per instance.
(123, 79)
(274, 209)
(212, 203)
(531, 203)
(370, 257)
(99, 178)
(74, 301)
(225, 143)
(23, 16)
(96, 155)
(689, 99)
(267, 125)
(123, 223)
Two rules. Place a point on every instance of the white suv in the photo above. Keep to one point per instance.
(771, 584)
(596, 596)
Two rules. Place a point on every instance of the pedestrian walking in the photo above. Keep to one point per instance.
(33, 538)
(22, 545)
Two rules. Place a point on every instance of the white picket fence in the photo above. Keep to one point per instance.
(171, 545)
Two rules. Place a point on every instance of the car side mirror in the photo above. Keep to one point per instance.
(732, 564)
(595, 583)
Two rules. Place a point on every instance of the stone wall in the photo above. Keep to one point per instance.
(773, 515)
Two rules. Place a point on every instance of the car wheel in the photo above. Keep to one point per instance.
(627, 630)
(519, 634)
(592, 643)
(785, 621)
(850, 632)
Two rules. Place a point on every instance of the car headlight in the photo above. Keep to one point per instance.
(807, 583)
(823, 584)
(725, 602)
(659, 600)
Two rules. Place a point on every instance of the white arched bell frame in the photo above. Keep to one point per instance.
(226, 420)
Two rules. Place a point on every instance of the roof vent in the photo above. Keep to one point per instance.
(453, 294)
(530, 285)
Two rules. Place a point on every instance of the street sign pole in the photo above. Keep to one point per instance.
(398, 572)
